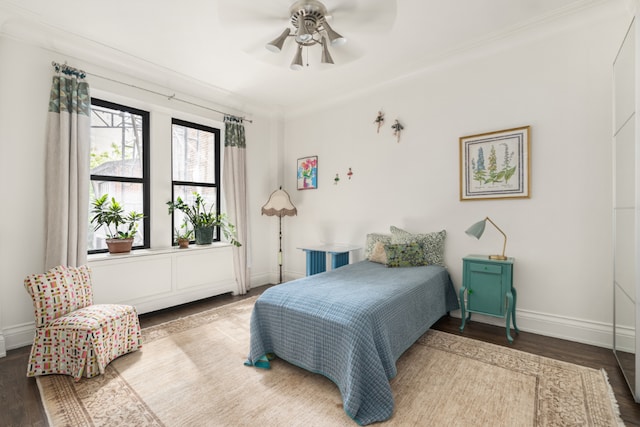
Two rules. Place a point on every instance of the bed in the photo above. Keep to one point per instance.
(351, 325)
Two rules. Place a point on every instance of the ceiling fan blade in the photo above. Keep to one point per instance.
(342, 6)
(247, 14)
(363, 16)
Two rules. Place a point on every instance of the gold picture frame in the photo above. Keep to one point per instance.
(496, 165)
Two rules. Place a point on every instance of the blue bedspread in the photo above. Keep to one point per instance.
(351, 325)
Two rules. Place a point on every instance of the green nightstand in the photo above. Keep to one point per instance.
(488, 284)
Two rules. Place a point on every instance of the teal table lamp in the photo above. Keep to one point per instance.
(477, 229)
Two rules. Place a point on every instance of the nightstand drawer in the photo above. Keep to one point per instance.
(485, 268)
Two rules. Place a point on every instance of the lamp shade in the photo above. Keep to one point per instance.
(335, 38)
(276, 44)
(477, 229)
(296, 64)
(326, 56)
(279, 204)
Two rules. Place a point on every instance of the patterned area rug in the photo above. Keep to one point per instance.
(190, 372)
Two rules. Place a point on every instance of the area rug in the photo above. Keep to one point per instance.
(190, 372)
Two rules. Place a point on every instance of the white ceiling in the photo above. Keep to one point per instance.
(220, 43)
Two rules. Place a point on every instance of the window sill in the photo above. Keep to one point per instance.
(157, 251)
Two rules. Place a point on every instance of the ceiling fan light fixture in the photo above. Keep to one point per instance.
(296, 64)
(309, 27)
(304, 35)
(276, 44)
(335, 38)
(326, 56)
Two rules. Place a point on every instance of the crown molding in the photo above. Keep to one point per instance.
(97, 58)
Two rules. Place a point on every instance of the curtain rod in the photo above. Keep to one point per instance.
(66, 69)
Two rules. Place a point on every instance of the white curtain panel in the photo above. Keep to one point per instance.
(235, 190)
(67, 171)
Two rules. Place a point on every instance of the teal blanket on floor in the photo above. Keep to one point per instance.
(351, 325)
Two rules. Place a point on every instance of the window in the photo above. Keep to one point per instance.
(195, 166)
(119, 165)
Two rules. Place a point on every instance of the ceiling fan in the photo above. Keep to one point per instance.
(309, 23)
(309, 19)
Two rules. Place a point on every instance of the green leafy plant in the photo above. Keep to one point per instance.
(108, 212)
(199, 215)
(183, 232)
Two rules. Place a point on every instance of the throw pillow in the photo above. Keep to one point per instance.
(432, 243)
(378, 254)
(372, 239)
(404, 255)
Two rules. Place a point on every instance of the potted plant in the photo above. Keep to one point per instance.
(120, 227)
(203, 220)
(184, 234)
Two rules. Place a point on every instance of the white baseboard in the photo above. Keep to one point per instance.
(3, 348)
(258, 280)
(17, 336)
(563, 327)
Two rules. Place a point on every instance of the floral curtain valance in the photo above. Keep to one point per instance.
(69, 95)
(234, 132)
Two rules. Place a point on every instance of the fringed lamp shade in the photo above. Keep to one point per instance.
(279, 204)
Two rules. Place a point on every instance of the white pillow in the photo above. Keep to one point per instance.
(378, 254)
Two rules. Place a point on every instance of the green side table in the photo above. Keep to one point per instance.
(488, 284)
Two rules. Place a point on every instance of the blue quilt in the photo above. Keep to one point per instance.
(351, 325)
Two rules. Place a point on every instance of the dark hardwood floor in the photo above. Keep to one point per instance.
(20, 400)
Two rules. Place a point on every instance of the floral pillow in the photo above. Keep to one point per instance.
(372, 239)
(432, 243)
(404, 254)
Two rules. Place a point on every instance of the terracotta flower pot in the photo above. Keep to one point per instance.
(119, 246)
(183, 243)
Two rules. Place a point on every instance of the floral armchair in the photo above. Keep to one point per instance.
(73, 336)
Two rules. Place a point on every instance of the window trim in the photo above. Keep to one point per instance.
(146, 168)
(217, 162)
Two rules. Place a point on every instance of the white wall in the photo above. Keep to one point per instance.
(25, 79)
(559, 83)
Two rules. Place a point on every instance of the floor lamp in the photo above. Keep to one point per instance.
(279, 204)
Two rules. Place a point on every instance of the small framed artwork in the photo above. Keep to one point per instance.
(495, 165)
(308, 173)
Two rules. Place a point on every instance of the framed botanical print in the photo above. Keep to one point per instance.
(308, 173)
(495, 165)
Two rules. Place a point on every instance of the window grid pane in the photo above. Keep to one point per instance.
(116, 143)
(195, 167)
(209, 195)
(119, 167)
(193, 155)
(129, 195)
